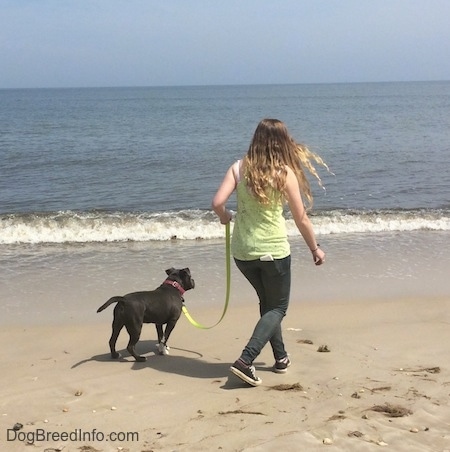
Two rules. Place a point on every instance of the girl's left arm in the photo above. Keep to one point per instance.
(220, 199)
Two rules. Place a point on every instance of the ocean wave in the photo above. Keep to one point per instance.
(96, 226)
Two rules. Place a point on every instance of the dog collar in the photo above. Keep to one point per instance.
(176, 285)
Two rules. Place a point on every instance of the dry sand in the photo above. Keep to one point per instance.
(385, 382)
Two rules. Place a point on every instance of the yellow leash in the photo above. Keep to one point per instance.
(227, 296)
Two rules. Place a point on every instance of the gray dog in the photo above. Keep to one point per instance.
(161, 306)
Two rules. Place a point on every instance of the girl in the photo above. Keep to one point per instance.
(270, 174)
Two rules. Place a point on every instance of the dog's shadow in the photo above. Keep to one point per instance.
(188, 363)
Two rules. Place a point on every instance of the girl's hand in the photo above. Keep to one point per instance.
(318, 256)
(226, 217)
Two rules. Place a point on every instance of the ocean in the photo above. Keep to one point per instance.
(91, 174)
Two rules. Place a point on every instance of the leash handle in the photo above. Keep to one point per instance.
(227, 295)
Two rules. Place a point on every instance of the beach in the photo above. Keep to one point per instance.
(378, 309)
(103, 189)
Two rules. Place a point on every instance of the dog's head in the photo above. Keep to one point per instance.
(181, 276)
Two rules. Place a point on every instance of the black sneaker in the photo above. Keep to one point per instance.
(280, 366)
(245, 372)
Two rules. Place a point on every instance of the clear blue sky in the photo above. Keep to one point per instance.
(81, 43)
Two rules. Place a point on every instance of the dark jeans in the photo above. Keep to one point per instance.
(272, 282)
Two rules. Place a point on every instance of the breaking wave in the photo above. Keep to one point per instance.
(100, 226)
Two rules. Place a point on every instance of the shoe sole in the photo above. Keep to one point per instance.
(244, 377)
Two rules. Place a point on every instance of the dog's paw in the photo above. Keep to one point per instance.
(140, 359)
(163, 349)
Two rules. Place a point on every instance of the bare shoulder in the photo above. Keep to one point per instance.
(290, 175)
(239, 168)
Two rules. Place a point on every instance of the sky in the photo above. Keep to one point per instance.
(103, 43)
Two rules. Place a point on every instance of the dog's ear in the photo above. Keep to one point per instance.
(170, 270)
(187, 271)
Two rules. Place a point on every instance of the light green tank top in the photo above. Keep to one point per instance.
(258, 229)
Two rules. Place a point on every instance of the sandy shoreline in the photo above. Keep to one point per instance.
(381, 304)
(59, 284)
(60, 379)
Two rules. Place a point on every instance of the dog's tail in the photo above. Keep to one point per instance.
(110, 301)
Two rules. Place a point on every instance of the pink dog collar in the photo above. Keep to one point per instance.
(176, 285)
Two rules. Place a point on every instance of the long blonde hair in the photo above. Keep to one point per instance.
(271, 150)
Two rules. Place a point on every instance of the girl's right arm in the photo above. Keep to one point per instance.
(301, 218)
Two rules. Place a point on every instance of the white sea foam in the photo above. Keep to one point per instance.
(385, 221)
(85, 227)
